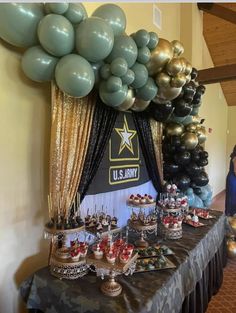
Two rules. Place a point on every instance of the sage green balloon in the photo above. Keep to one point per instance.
(113, 84)
(141, 38)
(74, 75)
(58, 8)
(94, 39)
(153, 41)
(19, 22)
(96, 69)
(113, 15)
(144, 55)
(56, 34)
(124, 47)
(128, 78)
(112, 99)
(38, 65)
(76, 13)
(105, 71)
(148, 91)
(141, 75)
(119, 67)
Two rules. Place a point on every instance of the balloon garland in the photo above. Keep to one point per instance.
(137, 72)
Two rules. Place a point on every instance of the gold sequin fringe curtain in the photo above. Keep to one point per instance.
(157, 133)
(70, 132)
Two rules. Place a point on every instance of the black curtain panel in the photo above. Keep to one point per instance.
(141, 121)
(103, 123)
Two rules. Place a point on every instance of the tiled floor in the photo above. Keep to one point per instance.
(225, 300)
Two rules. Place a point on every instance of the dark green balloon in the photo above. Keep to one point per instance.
(148, 91)
(128, 78)
(153, 40)
(141, 75)
(113, 15)
(38, 65)
(112, 99)
(141, 38)
(76, 13)
(119, 67)
(94, 39)
(19, 22)
(144, 55)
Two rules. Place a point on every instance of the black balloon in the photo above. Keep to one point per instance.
(175, 140)
(193, 169)
(182, 108)
(182, 158)
(201, 89)
(189, 91)
(182, 181)
(197, 191)
(201, 179)
(202, 162)
(160, 111)
(203, 154)
(195, 156)
(168, 147)
(194, 73)
(180, 148)
(171, 168)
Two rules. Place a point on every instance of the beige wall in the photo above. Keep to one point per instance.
(24, 141)
(214, 107)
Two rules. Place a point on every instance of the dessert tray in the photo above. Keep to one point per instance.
(153, 264)
(193, 224)
(202, 213)
(153, 251)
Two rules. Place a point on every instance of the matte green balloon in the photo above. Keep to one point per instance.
(119, 67)
(141, 75)
(113, 15)
(112, 98)
(38, 65)
(74, 75)
(124, 47)
(141, 38)
(96, 69)
(76, 13)
(19, 22)
(94, 39)
(105, 71)
(148, 91)
(128, 78)
(153, 40)
(144, 55)
(58, 8)
(113, 84)
(56, 34)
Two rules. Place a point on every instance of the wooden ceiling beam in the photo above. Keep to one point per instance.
(219, 11)
(217, 74)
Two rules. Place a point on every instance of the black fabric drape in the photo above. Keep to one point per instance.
(141, 121)
(102, 126)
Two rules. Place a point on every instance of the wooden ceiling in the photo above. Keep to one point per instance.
(220, 36)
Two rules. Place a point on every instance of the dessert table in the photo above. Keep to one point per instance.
(199, 258)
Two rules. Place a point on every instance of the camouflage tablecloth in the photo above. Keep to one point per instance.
(158, 291)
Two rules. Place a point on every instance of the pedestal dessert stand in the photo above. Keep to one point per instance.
(111, 287)
(140, 228)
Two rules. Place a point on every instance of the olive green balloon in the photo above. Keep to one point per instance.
(19, 22)
(76, 13)
(58, 8)
(105, 71)
(141, 38)
(56, 34)
(113, 84)
(153, 41)
(201, 133)
(113, 15)
(128, 103)
(140, 105)
(112, 99)
(94, 39)
(38, 65)
(190, 140)
(74, 75)
(119, 67)
(128, 78)
(141, 75)
(174, 129)
(124, 47)
(148, 91)
(144, 55)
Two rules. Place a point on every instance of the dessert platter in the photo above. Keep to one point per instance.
(141, 201)
(202, 213)
(155, 250)
(153, 264)
(193, 221)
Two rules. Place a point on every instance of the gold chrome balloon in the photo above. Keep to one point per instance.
(188, 78)
(140, 105)
(191, 128)
(188, 68)
(174, 129)
(190, 140)
(196, 119)
(129, 101)
(162, 54)
(168, 93)
(178, 81)
(178, 47)
(184, 63)
(201, 133)
(174, 66)
(163, 79)
(231, 247)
